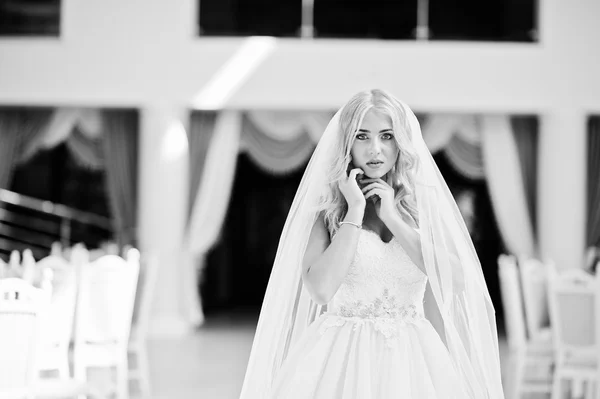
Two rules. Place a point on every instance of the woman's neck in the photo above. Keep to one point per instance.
(371, 221)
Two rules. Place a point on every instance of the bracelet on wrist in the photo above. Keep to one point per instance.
(351, 223)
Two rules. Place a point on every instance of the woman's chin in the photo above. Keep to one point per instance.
(375, 173)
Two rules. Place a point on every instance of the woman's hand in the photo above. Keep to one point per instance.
(351, 191)
(383, 196)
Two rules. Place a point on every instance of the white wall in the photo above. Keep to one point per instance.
(143, 52)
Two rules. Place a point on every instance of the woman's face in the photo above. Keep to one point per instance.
(375, 150)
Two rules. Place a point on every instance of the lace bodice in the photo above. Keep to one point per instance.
(383, 286)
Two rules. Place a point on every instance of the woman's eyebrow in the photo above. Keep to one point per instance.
(381, 131)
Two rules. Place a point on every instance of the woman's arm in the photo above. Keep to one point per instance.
(326, 262)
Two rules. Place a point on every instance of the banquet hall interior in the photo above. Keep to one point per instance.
(150, 152)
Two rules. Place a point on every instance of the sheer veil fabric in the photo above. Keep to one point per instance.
(457, 301)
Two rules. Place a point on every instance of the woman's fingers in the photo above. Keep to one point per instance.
(350, 189)
(375, 191)
(354, 172)
(375, 184)
(370, 186)
(371, 180)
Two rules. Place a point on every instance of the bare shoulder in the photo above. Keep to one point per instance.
(317, 242)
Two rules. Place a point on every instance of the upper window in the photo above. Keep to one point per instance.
(250, 17)
(29, 17)
(492, 20)
(373, 19)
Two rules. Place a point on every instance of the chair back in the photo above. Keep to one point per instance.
(56, 249)
(512, 302)
(4, 269)
(14, 265)
(534, 284)
(573, 297)
(21, 306)
(106, 299)
(61, 313)
(28, 266)
(61, 268)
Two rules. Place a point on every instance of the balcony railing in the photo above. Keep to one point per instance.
(27, 222)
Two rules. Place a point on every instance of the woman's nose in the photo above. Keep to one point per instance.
(375, 147)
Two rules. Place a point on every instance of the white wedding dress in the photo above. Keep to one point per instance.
(374, 341)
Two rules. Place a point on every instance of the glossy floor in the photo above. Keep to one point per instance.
(209, 363)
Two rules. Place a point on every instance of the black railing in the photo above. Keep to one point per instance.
(27, 222)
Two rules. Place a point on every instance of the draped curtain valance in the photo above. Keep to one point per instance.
(479, 147)
(80, 128)
(459, 136)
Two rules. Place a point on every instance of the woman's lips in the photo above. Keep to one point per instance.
(375, 165)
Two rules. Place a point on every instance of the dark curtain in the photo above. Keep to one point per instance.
(200, 133)
(593, 182)
(120, 144)
(239, 266)
(525, 131)
(18, 126)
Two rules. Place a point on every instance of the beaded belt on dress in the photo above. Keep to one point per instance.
(383, 314)
(386, 306)
(378, 309)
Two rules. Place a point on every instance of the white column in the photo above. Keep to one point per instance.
(163, 195)
(562, 189)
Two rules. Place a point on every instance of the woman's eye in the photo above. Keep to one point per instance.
(361, 136)
(387, 136)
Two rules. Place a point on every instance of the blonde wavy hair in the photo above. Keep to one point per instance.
(402, 175)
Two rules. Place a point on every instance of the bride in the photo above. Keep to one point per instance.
(376, 290)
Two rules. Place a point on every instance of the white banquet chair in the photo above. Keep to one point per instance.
(28, 266)
(534, 283)
(3, 269)
(56, 249)
(574, 312)
(526, 357)
(54, 353)
(105, 304)
(22, 307)
(139, 368)
(14, 265)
